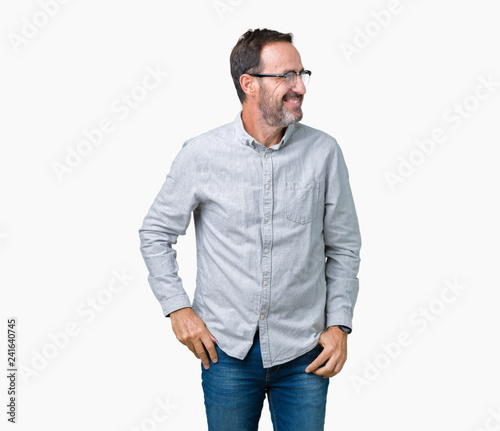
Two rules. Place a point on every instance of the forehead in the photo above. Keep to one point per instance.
(280, 57)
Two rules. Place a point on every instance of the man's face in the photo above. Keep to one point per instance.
(280, 105)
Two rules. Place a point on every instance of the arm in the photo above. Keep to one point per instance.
(167, 218)
(342, 246)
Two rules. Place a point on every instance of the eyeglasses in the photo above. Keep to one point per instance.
(290, 77)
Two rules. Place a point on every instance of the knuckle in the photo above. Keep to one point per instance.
(197, 333)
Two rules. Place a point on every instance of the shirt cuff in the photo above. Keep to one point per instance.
(175, 303)
(345, 329)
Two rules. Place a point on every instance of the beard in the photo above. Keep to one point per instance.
(275, 113)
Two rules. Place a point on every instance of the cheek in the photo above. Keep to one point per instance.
(279, 92)
(279, 96)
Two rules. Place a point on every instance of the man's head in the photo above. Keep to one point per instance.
(275, 99)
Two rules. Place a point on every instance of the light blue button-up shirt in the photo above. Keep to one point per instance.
(277, 238)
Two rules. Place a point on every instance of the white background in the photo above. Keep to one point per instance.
(60, 241)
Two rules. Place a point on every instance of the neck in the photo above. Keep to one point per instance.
(258, 129)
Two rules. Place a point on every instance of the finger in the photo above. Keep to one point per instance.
(322, 357)
(340, 365)
(190, 346)
(202, 354)
(332, 367)
(210, 347)
(326, 370)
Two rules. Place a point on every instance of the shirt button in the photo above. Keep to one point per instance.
(266, 250)
(262, 317)
(268, 186)
(266, 283)
(267, 156)
(267, 219)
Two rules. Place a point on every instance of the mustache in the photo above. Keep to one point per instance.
(293, 96)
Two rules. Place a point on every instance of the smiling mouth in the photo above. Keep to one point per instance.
(296, 101)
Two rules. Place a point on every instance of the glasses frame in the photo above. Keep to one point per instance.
(282, 75)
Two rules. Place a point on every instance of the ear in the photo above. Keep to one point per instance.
(247, 83)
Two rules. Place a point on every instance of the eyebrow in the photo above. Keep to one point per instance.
(291, 70)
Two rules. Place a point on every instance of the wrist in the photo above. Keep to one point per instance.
(178, 312)
(341, 328)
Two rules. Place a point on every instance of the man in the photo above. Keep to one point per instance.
(277, 248)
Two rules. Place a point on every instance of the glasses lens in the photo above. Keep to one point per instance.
(291, 79)
(305, 78)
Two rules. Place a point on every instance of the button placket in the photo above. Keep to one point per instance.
(267, 232)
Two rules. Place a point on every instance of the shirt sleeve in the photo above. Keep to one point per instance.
(342, 244)
(168, 217)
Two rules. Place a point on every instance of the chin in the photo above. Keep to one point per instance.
(297, 116)
(293, 116)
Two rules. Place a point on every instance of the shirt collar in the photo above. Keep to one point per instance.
(243, 137)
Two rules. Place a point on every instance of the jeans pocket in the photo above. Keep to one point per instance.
(302, 201)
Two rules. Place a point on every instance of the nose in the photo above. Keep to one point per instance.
(299, 86)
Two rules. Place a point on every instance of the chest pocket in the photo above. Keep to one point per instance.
(302, 201)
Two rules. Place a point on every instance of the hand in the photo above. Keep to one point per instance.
(334, 343)
(191, 331)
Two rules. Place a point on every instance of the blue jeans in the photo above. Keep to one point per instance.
(235, 389)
